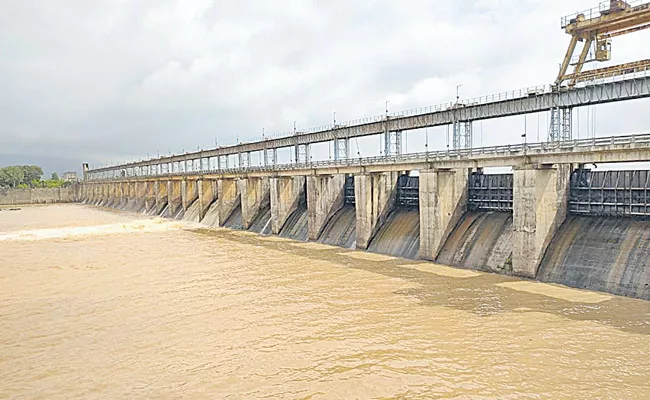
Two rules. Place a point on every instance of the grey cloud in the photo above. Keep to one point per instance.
(104, 81)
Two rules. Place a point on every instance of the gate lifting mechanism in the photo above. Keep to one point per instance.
(597, 27)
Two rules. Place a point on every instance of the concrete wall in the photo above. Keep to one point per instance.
(38, 196)
(255, 194)
(443, 201)
(286, 194)
(207, 189)
(540, 197)
(228, 197)
(325, 196)
(375, 196)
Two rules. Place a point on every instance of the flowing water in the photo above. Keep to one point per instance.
(400, 234)
(341, 230)
(234, 221)
(296, 227)
(101, 304)
(262, 223)
(602, 253)
(482, 240)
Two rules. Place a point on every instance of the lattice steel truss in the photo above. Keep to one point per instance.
(561, 128)
(302, 153)
(393, 143)
(270, 157)
(463, 136)
(341, 149)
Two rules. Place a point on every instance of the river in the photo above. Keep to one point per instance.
(98, 304)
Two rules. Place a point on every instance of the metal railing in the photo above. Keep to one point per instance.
(581, 145)
(614, 75)
(596, 12)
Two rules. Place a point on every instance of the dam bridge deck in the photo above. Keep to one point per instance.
(631, 148)
(531, 100)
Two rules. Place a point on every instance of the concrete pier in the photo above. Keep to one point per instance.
(174, 196)
(443, 201)
(207, 192)
(255, 195)
(540, 207)
(189, 193)
(325, 196)
(374, 197)
(228, 197)
(286, 194)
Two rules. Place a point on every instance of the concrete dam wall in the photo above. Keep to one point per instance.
(608, 254)
(577, 228)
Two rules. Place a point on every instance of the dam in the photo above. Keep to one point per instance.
(551, 218)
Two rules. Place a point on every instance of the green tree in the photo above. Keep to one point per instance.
(55, 176)
(32, 173)
(11, 176)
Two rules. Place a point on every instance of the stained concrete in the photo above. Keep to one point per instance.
(325, 196)
(540, 203)
(443, 201)
(375, 196)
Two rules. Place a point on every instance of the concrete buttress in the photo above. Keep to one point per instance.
(255, 195)
(540, 197)
(189, 193)
(174, 197)
(161, 196)
(207, 194)
(286, 193)
(375, 196)
(325, 196)
(443, 201)
(228, 197)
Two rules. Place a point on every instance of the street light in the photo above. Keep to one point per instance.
(458, 92)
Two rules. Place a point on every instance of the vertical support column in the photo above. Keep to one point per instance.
(325, 196)
(228, 196)
(207, 189)
(341, 149)
(174, 198)
(189, 193)
(540, 207)
(443, 201)
(161, 196)
(286, 193)
(254, 196)
(393, 143)
(375, 196)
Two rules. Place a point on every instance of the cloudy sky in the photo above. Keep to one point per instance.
(114, 80)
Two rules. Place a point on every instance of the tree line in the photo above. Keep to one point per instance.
(28, 176)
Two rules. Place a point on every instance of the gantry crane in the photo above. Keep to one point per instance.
(597, 27)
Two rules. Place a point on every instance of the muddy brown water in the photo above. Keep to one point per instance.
(102, 304)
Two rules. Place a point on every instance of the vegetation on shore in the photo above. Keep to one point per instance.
(28, 176)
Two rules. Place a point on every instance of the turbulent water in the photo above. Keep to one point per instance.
(400, 234)
(106, 305)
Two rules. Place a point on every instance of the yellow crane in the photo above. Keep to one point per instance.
(597, 27)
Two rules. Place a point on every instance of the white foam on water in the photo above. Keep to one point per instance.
(140, 226)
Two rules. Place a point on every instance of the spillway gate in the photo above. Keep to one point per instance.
(349, 190)
(408, 191)
(610, 193)
(490, 192)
